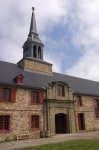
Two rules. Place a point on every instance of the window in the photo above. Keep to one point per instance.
(81, 121)
(39, 52)
(34, 52)
(79, 100)
(35, 97)
(96, 104)
(35, 121)
(4, 123)
(19, 79)
(60, 90)
(7, 95)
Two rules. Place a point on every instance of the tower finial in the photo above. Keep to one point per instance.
(33, 28)
(33, 8)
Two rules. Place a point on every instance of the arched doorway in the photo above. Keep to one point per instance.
(61, 123)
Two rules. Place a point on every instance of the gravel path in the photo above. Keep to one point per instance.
(58, 138)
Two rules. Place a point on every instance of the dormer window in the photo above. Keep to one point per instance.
(60, 90)
(19, 79)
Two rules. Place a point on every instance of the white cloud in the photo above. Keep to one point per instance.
(86, 67)
(51, 12)
(86, 36)
(15, 20)
(56, 66)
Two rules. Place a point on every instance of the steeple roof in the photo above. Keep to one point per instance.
(33, 46)
(33, 28)
(33, 35)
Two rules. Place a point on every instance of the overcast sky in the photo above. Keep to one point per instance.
(69, 30)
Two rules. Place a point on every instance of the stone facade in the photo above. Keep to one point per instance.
(34, 65)
(21, 111)
(60, 105)
(88, 109)
(20, 114)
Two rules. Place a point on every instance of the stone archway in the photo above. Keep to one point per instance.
(61, 123)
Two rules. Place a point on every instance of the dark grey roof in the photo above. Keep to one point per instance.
(79, 85)
(9, 71)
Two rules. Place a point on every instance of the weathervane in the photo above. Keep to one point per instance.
(33, 8)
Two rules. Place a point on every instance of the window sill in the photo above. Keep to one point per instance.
(61, 96)
(96, 118)
(6, 102)
(4, 131)
(35, 129)
(36, 103)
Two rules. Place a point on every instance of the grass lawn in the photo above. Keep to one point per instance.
(68, 145)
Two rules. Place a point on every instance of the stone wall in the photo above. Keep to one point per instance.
(35, 65)
(21, 111)
(20, 114)
(91, 123)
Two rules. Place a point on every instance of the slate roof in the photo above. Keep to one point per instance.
(8, 71)
(33, 35)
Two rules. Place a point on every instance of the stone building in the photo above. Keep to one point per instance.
(38, 102)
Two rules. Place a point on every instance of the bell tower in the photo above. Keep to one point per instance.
(33, 52)
(33, 47)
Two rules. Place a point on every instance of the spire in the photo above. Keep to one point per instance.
(33, 28)
(33, 46)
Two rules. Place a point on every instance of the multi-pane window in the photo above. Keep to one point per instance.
(60, 90)
(7, 95)
(79, 100)
(35, 122)
(96, 104)
(35, 97)
(4, 122)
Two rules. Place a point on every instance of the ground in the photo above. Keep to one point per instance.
(56, 139)
(69, 145)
